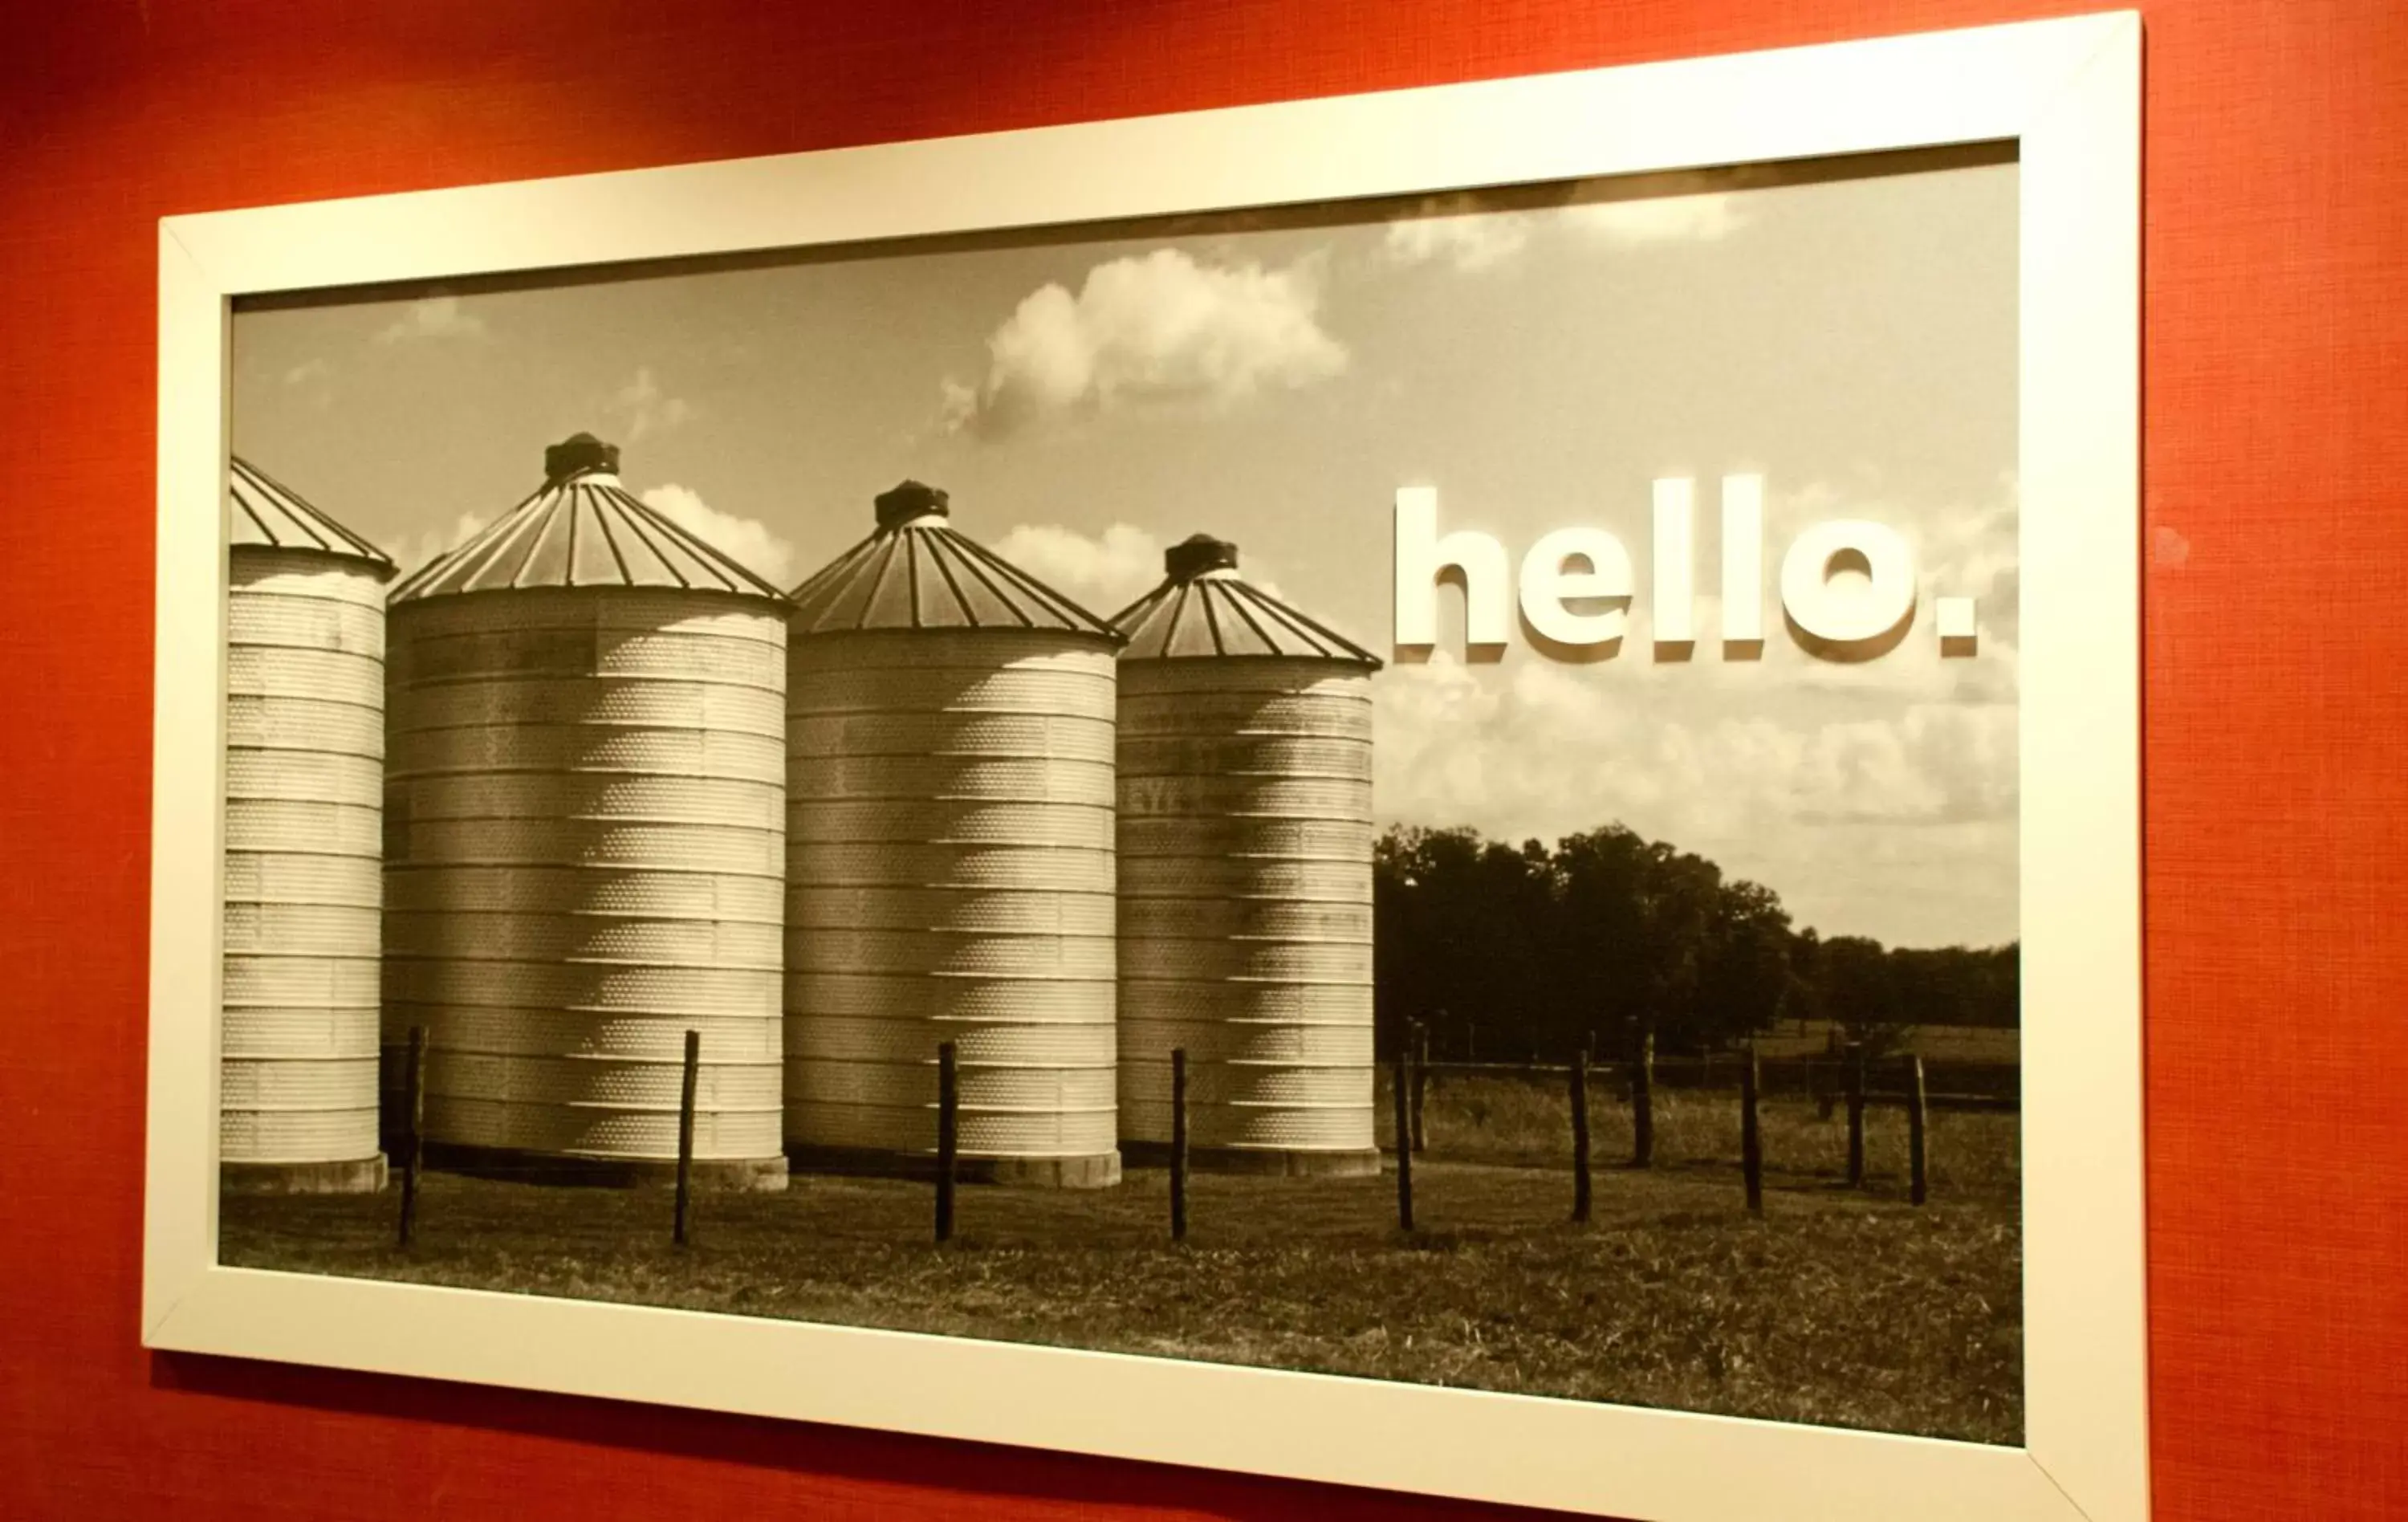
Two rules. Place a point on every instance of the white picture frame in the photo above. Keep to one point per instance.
(2066, 91)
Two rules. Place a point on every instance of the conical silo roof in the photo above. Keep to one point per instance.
(581, 529)
(264, 514)
(1204, 610)
(917, 572)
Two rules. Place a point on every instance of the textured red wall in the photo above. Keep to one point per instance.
(2277, 809)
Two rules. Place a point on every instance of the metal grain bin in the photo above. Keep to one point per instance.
(950, 862)
(305, 746)
(1245, 874)
(585, 839)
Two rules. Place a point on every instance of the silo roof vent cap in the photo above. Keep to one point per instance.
(576, 455)
(910, 500)
(1197, 555)
(1204, 610)
(917, 572)
(583, 528)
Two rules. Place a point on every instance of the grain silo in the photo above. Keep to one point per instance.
(305, 746)
(586, 813)
(1245, 874)
(950, 829)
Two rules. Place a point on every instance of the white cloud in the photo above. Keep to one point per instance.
(1453, 229)
(1934, 764)
(2000, 605)
(437, 317)
(748, 541)
(1974, 553)
(312, 382)
(642, 407)
(1149, 330)
(1456, 231)
(420, 548)
(1537, 748)
(1657, 218)
(1103, 573)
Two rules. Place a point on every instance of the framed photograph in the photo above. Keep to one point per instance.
(1436, 790)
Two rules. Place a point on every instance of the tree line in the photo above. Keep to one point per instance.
(1514, 950)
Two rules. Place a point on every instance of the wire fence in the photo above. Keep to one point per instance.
(1854, 1081)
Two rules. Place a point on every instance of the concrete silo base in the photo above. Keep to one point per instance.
(1262, 1162)
(359, 1176)
(1100, 1170)
(710, 1175)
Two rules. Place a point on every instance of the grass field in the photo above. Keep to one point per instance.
(1933, 1044)
(1839, 1307)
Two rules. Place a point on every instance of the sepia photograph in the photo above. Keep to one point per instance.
(1420, 789)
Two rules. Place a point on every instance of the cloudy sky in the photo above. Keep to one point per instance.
(1537, 359)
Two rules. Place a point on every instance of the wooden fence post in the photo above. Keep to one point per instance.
(1826, 1098)
(949, 1132)
(1916, 1120)
(1751, 1136)
(1579, 1138)
(685, 1135)
(1179, 1144)
(1643, 1103)
(1404, 1086)
(1421, 1084)
(413, 1152)
(1855, 1075)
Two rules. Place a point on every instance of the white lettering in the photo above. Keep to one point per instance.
(1422, 555)
(1676, 568)
(1743, 561)
(1849, 617)
(1546, 587)
(1847, 585)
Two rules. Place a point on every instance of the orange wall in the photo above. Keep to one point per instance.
(2277, 581)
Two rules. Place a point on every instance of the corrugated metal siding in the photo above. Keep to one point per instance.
(305, 741)
(950, 823)
(1245, 901)
(586, 827)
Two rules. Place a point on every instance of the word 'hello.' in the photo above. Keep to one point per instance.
(1829, 615)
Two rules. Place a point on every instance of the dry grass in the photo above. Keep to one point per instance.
(1839, 1307)
(1528, 1122)
(1933, 1044)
